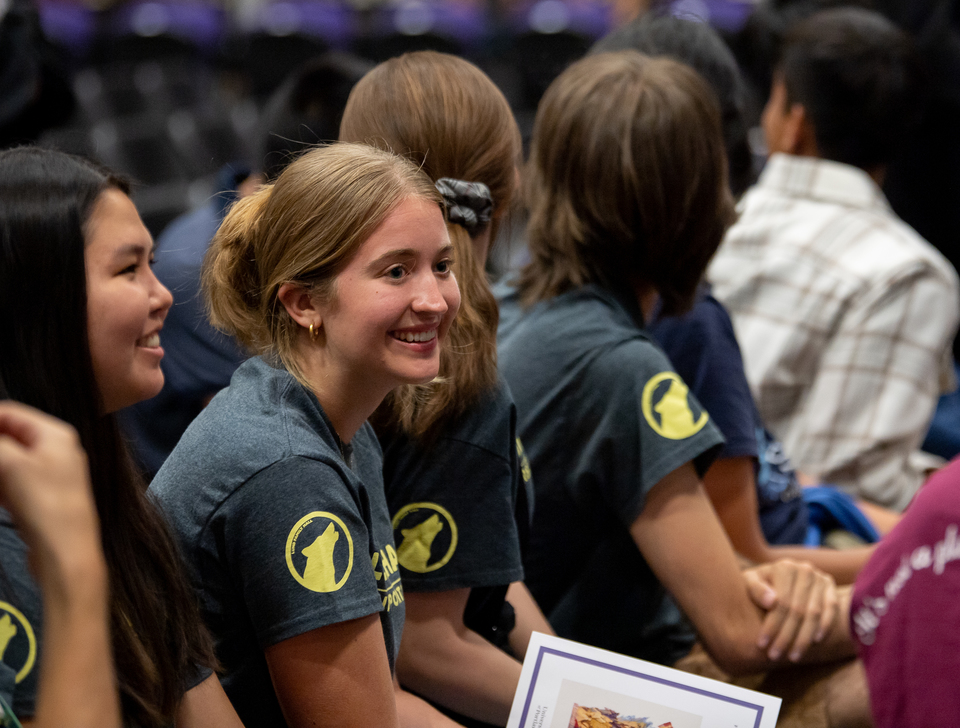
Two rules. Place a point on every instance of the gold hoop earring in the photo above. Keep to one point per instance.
(314, 333)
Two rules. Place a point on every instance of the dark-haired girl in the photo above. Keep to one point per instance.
(80, 339)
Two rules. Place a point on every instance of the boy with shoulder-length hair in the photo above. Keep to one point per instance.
(628, 200)
(844, 314)
(656, 214)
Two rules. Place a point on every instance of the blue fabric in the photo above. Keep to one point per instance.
(703, 349)
(198, 360)
(829, 509)
(943, 438)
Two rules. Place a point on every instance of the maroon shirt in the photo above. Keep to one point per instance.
(905, 615)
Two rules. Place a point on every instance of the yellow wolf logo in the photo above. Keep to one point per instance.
(8, 631)
(414, 552)
(675, 419)
(321, 573)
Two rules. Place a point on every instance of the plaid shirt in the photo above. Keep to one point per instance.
(845, 317)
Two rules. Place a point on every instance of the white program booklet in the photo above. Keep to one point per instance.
(566, 684)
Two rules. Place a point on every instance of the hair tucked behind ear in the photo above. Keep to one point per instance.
(446, 115)
(304, 229)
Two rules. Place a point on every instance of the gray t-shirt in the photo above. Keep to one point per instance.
(603, 417)
(21, 627)
(461, 507)
(284, 530)
(21, 620)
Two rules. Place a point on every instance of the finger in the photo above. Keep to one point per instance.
(831, 610)
(770, 627)
(794, 605)
(782, 576)
(759, 589)
(19, 422)
(810, 622)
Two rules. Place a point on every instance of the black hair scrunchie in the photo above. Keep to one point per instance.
(469, 204)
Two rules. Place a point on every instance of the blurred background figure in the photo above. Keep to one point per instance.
(34, 93)
(200, 360)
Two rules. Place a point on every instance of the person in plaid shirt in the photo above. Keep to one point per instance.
(845, 315)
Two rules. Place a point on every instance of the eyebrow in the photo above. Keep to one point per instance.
(134, 249)
(404, 253)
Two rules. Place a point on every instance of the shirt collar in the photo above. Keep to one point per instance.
(822, 179)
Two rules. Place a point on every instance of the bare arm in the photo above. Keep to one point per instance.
(418, 713)
(207, 706)
(529, 618)
(446, 662)
(684, 543)
(336, 675)
(731, 487)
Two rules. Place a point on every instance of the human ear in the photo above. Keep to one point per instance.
(299, 305)
(802, 132)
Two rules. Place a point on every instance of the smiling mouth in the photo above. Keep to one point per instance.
(415, 338)
(149, 341)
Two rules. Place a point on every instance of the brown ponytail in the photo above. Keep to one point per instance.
(446, 115)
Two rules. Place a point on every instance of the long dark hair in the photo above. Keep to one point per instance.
(46, 199)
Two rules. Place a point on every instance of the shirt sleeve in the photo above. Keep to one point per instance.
(456, 528)
(639, 423)
(7, 683)
(21, 624)
(876, 388)
(296, 544)
(454, 506)
(704, 350)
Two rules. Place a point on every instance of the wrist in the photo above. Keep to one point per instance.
(72, 576)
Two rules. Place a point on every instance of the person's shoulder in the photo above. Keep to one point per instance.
(913, 251)
(579, 318)
(704, 322)
(247, 426)
(939, 498)
(626, 364)
(487, 423)
(575, 306)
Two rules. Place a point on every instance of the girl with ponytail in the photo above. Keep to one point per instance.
(338, 277)
(457, 484)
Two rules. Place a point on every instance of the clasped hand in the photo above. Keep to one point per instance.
(800, 605)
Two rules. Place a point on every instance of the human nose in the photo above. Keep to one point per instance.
(430, 298)
(160, 297)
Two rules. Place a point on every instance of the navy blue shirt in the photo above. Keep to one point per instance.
(703, 348)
